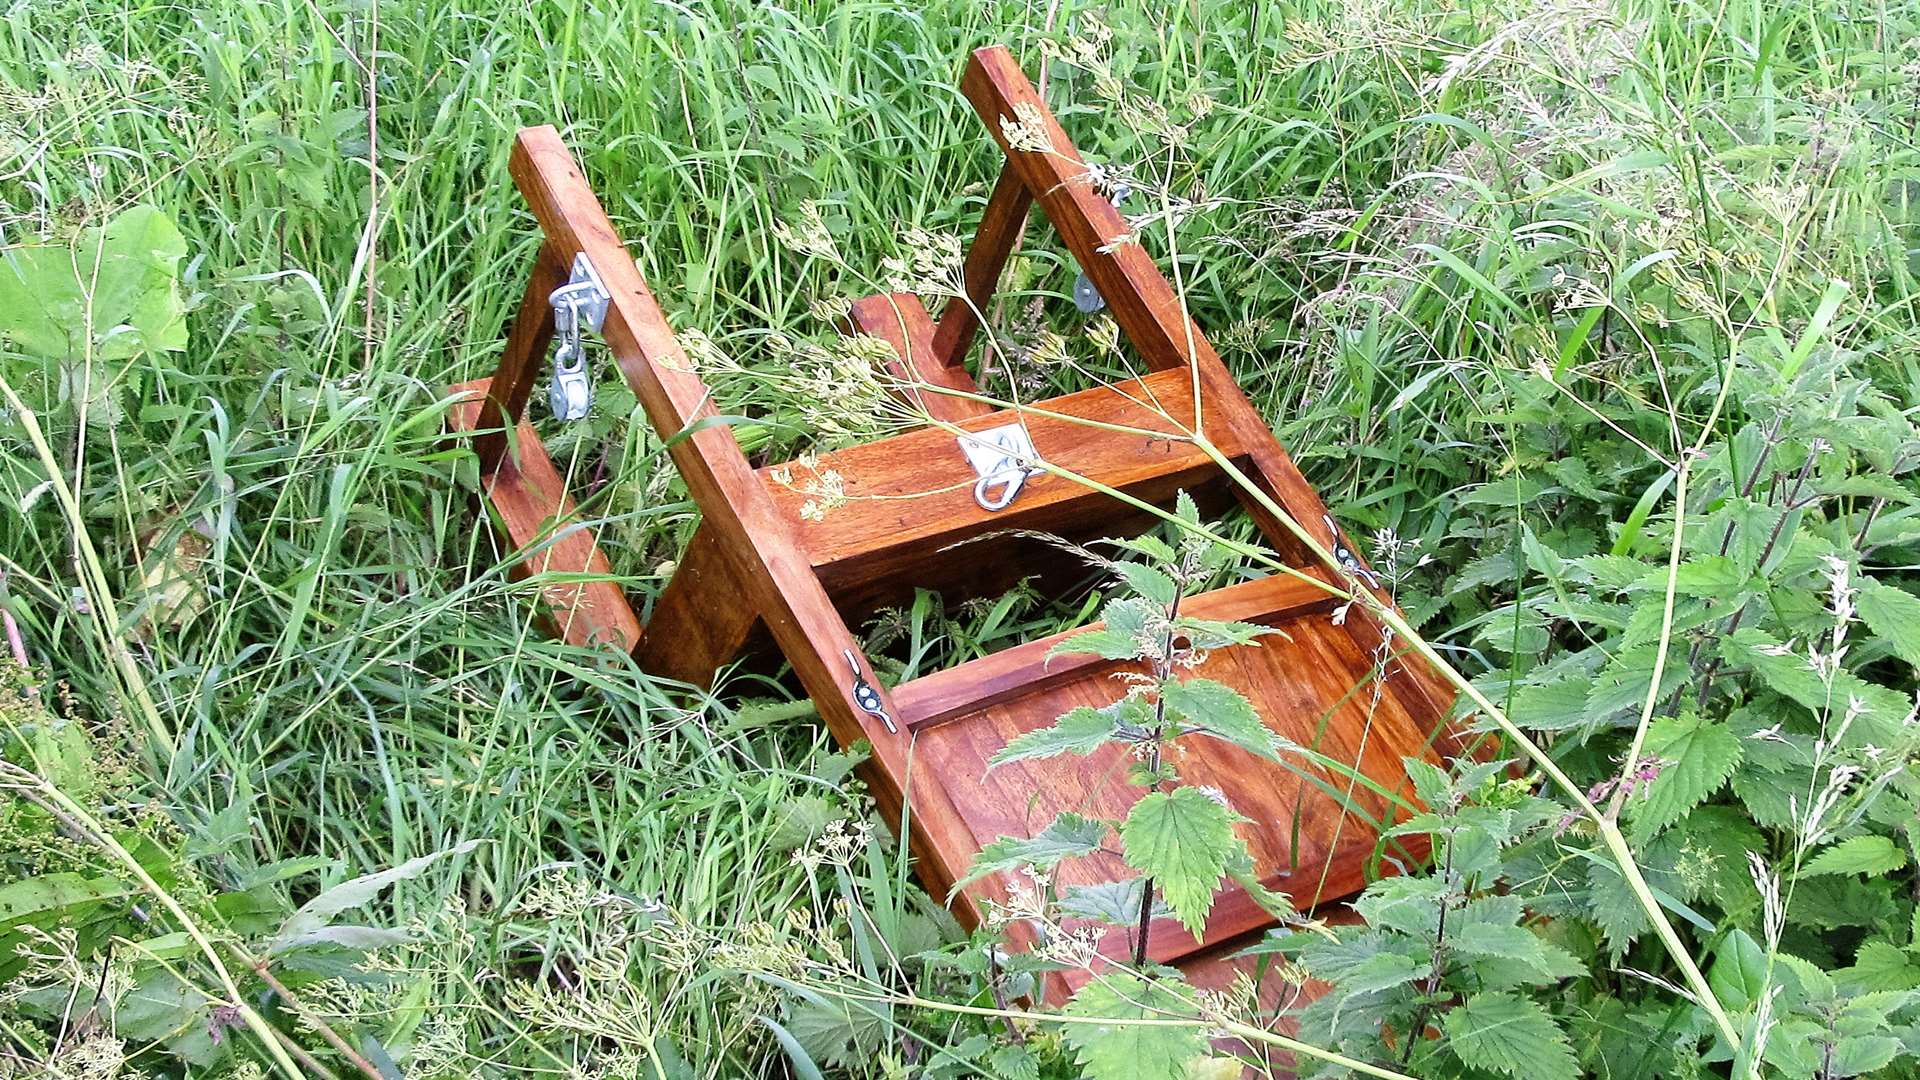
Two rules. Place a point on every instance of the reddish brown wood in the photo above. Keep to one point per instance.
(900, 502)
(1302, 840)
(1004, 219)
(513, 378)
(901, 320)
(1023, 669)
(532, 510)
(698, 623)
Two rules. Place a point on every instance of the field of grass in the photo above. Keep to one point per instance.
(1598, 317)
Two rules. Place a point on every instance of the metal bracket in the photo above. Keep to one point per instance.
(579, 305)
(1002, 458)
(1086, 295)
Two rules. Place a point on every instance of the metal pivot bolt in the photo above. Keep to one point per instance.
(865, 696)
(1086, 296)
(578, 306)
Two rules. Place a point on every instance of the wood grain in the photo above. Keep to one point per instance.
(888, 512)
(777, 578)
(993, 242)
(531, 509)
(698, 623)
(901, 320)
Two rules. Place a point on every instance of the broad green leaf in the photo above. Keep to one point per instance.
(1738, 976)
(1697, 757)
(1869, 854)
(46, 894)
(303, 925)
(1080, 731)
(1893, 614)
(1219, 710)
(1208, 634)
(1183, 840)
(1067, 836)
(1858, 1055)
(1510, 1034)
(1383, 971)
(119, 281)
(1122, 1051)
(1711, 576)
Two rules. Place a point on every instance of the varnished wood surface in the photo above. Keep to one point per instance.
(1023, 669)
(507, 391)
(530, 507)
(698, 623)
(1302, 840)
(792, 548)
(891, 510)
(776, 576)
(993, 243)
(901, 320)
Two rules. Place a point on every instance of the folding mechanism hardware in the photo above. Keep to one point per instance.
(1004, 459)
(580, 304)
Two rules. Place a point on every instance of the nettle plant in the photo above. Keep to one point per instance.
(1179, 837)
(1734, 685)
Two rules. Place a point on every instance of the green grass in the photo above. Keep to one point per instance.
(1383, 260)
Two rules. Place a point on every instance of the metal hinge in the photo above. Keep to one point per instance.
(1003, 458)
(579, 305)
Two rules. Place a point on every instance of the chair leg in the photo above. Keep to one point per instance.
(702, 619)
(512, 381)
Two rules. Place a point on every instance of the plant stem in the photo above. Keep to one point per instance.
(1162, 669)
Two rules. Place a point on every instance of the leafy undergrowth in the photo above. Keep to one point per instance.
(1597, 319)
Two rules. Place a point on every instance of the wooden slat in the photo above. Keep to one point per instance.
(530, 504)
(700, 620)
(901, 320)
(777, 578)
(993, 243)
(968, 687)
(512, 381)
(908, 496)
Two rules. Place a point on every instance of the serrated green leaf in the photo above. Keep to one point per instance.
(1122, 1051)
(1216, 709)
(1067, 836)
(1383, 971)
(1079, 731)
(1113, 902)
(1869, 854)
(1893, 614)
(1857, 1055)
(1149, 582)
(1182, 839)
(1122, 635)
(1697, 757)
(1510, 1034)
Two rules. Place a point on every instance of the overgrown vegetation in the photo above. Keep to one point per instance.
(1598, 318)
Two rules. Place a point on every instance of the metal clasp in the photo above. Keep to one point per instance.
(1004, 459)
(578, 306)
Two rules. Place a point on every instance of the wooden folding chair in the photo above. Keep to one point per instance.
(756, 560)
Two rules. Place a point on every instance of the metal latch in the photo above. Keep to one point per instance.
(1004, 459)
(579, 305)
(1086, 295)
